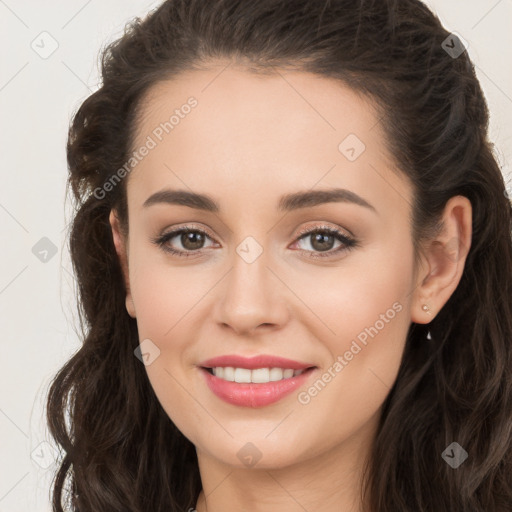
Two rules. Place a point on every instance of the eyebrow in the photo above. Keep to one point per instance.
(287, 203)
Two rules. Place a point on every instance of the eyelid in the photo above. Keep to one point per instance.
(348, 242)
(308, 229)
(189, 227)
(311, 228)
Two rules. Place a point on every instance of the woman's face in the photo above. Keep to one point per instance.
(249, 282)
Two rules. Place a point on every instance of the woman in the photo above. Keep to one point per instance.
(293, 248)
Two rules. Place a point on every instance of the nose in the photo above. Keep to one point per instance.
(252, 297)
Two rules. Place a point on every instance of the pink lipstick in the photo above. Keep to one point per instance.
(255, 381)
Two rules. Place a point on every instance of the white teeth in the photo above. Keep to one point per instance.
(257, 376)
(276, 374)
(229, 373)
(260, 375)
(242, 375)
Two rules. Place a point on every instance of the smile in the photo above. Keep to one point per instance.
(256, 376)
(249, 393)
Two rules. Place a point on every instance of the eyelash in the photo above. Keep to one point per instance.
(348, 243)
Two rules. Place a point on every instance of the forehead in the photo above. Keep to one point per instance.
(226, 96)
(255, 137)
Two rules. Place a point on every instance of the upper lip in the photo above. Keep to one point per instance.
(259, 361)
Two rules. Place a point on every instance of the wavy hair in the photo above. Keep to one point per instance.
(455, 386)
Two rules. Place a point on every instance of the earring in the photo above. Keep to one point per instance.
(426, 308)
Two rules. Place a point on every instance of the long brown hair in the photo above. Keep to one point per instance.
(120, 450)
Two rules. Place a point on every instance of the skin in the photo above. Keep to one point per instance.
(250, 140)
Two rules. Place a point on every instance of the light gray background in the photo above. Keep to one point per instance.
(37, 97)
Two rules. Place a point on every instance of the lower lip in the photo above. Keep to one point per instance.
(248, 394)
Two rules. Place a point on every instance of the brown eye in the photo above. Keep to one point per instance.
(323, 240)
(192, 240)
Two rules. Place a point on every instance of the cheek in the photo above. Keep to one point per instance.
(368, 313)
(340, 303)
(373, 327)
(166, 295)
(351, 389)
(165, 298)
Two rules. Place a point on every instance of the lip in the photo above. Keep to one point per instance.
(254, 395)
(259, 361)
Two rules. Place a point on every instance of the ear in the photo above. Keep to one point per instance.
(120, 243)
(443, 261)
